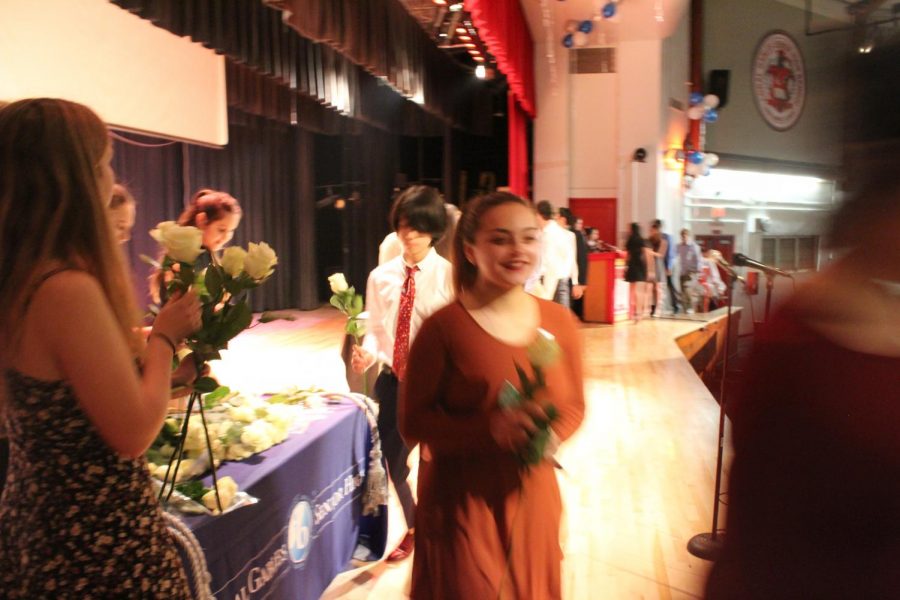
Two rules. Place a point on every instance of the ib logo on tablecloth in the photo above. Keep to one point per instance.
(300, 531)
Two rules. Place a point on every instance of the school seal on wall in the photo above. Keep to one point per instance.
(779, 80)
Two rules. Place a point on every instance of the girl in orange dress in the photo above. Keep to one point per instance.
(488, 527)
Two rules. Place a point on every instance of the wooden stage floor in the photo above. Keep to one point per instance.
(639, 474)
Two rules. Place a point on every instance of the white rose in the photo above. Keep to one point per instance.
(196, 437)
(233, 260)
(181, 243)
(544, 350)
(257, 436)
(338, 283)
(260, 260)
(227, 490)
(244, 414)
(238, 452)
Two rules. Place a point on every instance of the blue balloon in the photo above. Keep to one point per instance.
(609, 10)
(696, 158)
(567, 40)
(585, 26)
(696, 98)
(711, 115)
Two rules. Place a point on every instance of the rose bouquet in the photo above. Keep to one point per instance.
(222, 287)
(542, 353)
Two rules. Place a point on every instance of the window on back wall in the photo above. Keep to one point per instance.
(791, 253)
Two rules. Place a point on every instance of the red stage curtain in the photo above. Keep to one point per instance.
(518, 148)
(502, 26)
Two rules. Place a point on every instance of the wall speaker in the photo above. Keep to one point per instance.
(718, 85)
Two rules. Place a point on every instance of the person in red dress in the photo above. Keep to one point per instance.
(488, 527)
(814, 494)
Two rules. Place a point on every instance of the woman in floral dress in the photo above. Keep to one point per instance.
(78, 517)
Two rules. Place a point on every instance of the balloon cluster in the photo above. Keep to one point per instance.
(700, 163)
(577, 31)
(703, 107)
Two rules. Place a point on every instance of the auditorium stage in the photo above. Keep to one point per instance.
(639, 474)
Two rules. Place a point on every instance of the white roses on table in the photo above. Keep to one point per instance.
(181, 243)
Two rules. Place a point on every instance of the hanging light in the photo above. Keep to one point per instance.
(480, 71)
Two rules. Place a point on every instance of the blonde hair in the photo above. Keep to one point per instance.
(51, 210)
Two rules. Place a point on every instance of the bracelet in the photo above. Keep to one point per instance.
(164, 338)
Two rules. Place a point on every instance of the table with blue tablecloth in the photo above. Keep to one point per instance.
(308, 521)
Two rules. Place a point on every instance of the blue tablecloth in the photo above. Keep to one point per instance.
(306, 526)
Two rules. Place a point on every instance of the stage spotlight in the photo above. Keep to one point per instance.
(456, 7)
(480, 71)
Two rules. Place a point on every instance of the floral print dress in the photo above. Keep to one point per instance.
(76, 519)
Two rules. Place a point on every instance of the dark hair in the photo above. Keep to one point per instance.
(422, 207)
(871, 147)
(545, 209)
(568, 215)
(657, 224)
(464, 272)
(212, 203)
(635, 229)
(120, 196)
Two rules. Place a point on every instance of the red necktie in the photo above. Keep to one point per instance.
(404, 315)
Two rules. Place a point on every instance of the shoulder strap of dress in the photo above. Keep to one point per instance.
(39, 283)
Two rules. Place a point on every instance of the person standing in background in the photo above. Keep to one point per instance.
(667, 249)
(636, 272)
(559, 264)
(576, 225)
(688, 267)
(400, 294)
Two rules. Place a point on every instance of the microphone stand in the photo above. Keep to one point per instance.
(708, 545)
(770, 285)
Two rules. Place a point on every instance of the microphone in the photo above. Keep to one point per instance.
(726, 266)
(741, 260)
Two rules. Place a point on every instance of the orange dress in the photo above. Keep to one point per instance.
(477, 505)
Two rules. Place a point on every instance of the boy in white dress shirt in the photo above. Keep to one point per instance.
(401, 293)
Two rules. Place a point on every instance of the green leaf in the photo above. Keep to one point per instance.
(271, 315)
(510, 397)
(214, 280)
(150, 261)
(336, 302)
(233, 435)
(215, 396)
(235, 321)
(205, 385)
(194, 490)
(527, 387)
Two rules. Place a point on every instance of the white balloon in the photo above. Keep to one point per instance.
(710, 101)
(695, 113)
(571, 26)
(580, 38)
(710, 159)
